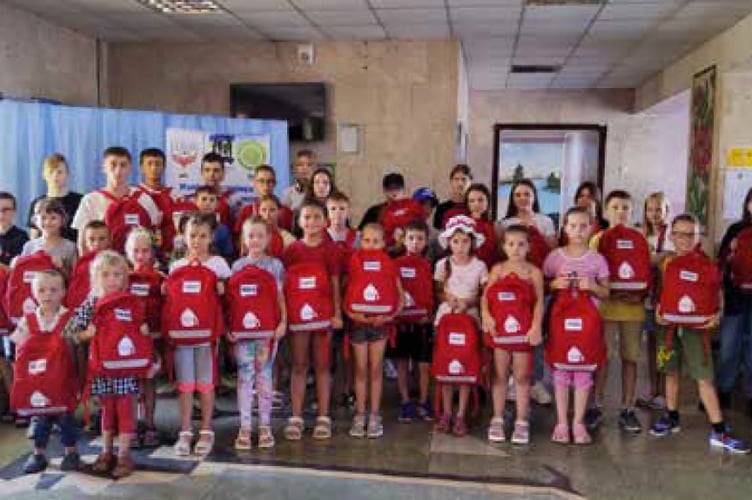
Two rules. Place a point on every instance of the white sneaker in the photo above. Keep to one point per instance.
(511, 390)
(541, 395)
(390, 372)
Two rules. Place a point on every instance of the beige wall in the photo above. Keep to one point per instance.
(38, 59)
(728, 50)
(403, 93)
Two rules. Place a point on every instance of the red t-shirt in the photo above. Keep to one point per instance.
(285, 216)
(326, 254)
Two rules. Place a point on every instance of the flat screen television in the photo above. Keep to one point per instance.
(303, 105)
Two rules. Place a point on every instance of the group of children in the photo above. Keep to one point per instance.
(207, 271)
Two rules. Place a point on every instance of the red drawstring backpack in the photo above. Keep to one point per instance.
(488, 252)
(119, 349)
(510, 301)
(690, 293)
(44, 375)
(575, 341)
(122, 215)
(539, 248)
(80, 281)
(146, 283)
(5, 324)
(398, 214)
(253, 309)
(628, 255)
(740, 261)
(417, 285)
(192, 310)
(453, 212)
(372, 284)
(308, 295)
(18, 299)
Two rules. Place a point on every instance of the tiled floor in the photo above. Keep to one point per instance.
(412, 461)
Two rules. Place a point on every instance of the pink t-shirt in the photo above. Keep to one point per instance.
(464, 281)
(591, 265)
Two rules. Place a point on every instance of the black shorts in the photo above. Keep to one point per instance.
(414, 341)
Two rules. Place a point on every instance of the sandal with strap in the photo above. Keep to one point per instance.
(182, 447)
(243, 441)
(266, 438)
(294, 429)
(205, 443)
(323, 428)
(581, 434)
(444, 424)
(560, 434)
(124, 468)
(459, 428)
(496, 430)
(104, 463)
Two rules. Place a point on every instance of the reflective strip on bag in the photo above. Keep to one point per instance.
(189, 334)
(373, 309)
(308, 327)
(126, 363)
(576, 368)
(688, 319)
(509, 339)
(457, 379)
(248, 335)
(629, 286)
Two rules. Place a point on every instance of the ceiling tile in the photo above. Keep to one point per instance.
(629, 11)
(476, 29)
(471, 14)
(293, 33)
(341, 17)
(573, 83)
(416, 31)
(416, 16)
(561, 12)
(274, 18)
(111, 6)
(406, 4)
(485, 3)
(529, 80)
(634, 28)
(248, 5)
(547, 41)
(330, 4)
(554, 27)
(374, 32)
(140, 20)
(538, 60)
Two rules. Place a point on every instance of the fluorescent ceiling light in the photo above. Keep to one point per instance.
(181, 6)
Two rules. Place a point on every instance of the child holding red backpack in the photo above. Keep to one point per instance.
(689, 307)
(512, 312)
(195, 356)
(372, 300)
(257, 323)
(313, 299)
(459, 279)
(627, 253)
(575, 347)
(109, 277)
(38, 380)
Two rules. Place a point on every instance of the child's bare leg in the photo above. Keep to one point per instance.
(424, 379)
(672, 391)
(499, 383)
(207, 406)
(403, 380)
(186, 408)
(580, 404)
(360, 355)
(709, 398)
(562, 404)
(321, 343)
(376, 371)
(446, 399)
(464, 398)
(150, 401)
(299, 343)
(521, 370)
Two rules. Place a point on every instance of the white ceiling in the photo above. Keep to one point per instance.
(614, 44)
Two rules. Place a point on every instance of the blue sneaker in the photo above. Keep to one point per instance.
(425, 411)
(728, 442)
(665, 426)
(407, 413)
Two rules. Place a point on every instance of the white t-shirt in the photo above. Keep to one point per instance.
(94, 205)
(292, 198)
(215, 263)
(542, 223)
(464, 281)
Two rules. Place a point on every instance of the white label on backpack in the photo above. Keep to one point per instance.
(409, 300)
(574, 355)
(249, 290)
(29, 305)
(307, 283)
(370, 294)
(455, 367)
(140, 289)
(126, 347)
(188, 319)
(573, 324)
(307, 312)
(686, 305)
(457, 338)
(685, 275)
(511, 325)
(123, 314)
(506, 297)
(625, 271)
(624, 244)
(38, 400)
(408, 272)
(372, 265)
(250, 321)
(37, 366)
(400, 212)
(131, 219)
(28, 276)
(192, 287)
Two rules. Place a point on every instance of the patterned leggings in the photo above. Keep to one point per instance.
(255, 361)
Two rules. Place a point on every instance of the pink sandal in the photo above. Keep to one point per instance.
(444, 424)
(560, 434)
(581, 435)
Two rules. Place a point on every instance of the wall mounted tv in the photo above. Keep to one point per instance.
(303, 105)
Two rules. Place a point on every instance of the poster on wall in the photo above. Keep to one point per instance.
(241, 154)
(702, 120)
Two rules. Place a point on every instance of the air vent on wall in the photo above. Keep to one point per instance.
(534, 68)
(564, 2)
